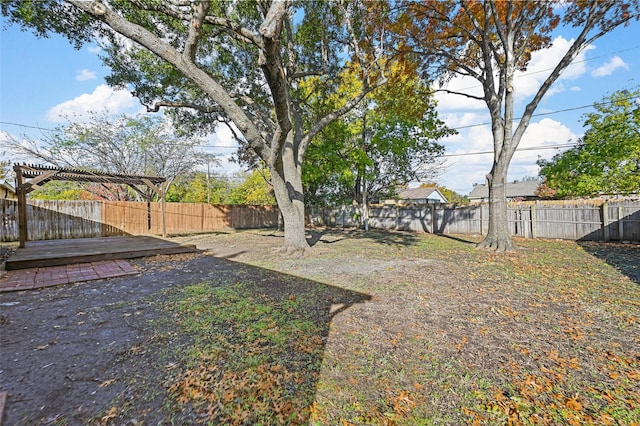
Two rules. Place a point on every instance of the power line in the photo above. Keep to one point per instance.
(531, 148)
(540, 114)
(454, 128)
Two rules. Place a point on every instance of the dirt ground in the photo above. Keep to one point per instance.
(71, 354)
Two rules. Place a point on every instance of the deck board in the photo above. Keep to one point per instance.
(81, 250)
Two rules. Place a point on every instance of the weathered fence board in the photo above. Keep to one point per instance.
(572, 220)
(80, 219)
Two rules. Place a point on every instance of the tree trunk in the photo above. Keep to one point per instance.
(498, 233)
(292, 209)
(286, 176)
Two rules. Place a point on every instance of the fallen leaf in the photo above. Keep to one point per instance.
(573, 404)
(107, 383)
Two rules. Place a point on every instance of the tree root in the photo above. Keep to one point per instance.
(499, 245)
(293, 252)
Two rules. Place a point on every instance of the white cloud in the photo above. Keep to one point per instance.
(527, 82)
(85, 75)
(94, 49)
(102, 98)
(609, 67)
(542, 64)
(465, 170)
(543, 136)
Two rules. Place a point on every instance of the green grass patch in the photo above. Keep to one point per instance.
(254, 358)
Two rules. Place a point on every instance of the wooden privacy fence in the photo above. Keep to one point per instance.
(572, 220)
(50, 220)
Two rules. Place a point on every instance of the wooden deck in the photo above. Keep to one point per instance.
(37, 254)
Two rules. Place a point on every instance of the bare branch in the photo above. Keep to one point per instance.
(453, 92)
(168, 104)
(236, 31)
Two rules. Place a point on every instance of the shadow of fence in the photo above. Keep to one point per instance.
(623, 257)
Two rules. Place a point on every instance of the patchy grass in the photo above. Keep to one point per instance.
(378, 328)
(452, 335)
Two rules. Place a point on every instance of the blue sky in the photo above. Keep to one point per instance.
(41, 80)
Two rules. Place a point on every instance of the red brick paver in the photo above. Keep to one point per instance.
(26, 279)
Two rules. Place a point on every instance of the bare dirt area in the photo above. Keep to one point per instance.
(367, 328)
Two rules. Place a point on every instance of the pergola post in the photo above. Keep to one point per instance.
(162, 192)
(164, 214)
(21, 192)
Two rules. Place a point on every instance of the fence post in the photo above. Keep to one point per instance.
(620, 223)
(433, 218)
(605, 221)
(534, 231)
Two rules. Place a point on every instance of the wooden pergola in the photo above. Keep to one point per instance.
(31, 177)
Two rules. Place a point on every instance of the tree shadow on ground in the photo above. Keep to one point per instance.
(623, 257)
(191, 339)
(469, 241)
(387, 237)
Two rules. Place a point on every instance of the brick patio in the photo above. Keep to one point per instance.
(32, 278)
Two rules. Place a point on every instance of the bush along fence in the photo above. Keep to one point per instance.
(48, 220)
(594, 220)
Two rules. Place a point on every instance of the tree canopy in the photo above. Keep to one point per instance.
(607, 158)
(389, 139)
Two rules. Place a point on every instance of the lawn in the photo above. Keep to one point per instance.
(441, 333)
(376, 328)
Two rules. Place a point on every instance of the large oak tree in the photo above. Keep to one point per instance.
(238, 63)
(490, 41)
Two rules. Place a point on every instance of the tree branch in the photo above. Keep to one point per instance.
(168, 104)
(167, 52)
(329, 118)
(191, 45)
(453, 92)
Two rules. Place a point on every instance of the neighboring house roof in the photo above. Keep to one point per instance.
(431, 193)
(7, 191)
(514, 190)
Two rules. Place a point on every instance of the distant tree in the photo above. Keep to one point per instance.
(254, 188)
(490, 41)
(58, 190)
(145, 145)
(197, 187)
(528, 179)
(607, 158)
(388, 140)
(5, 169)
